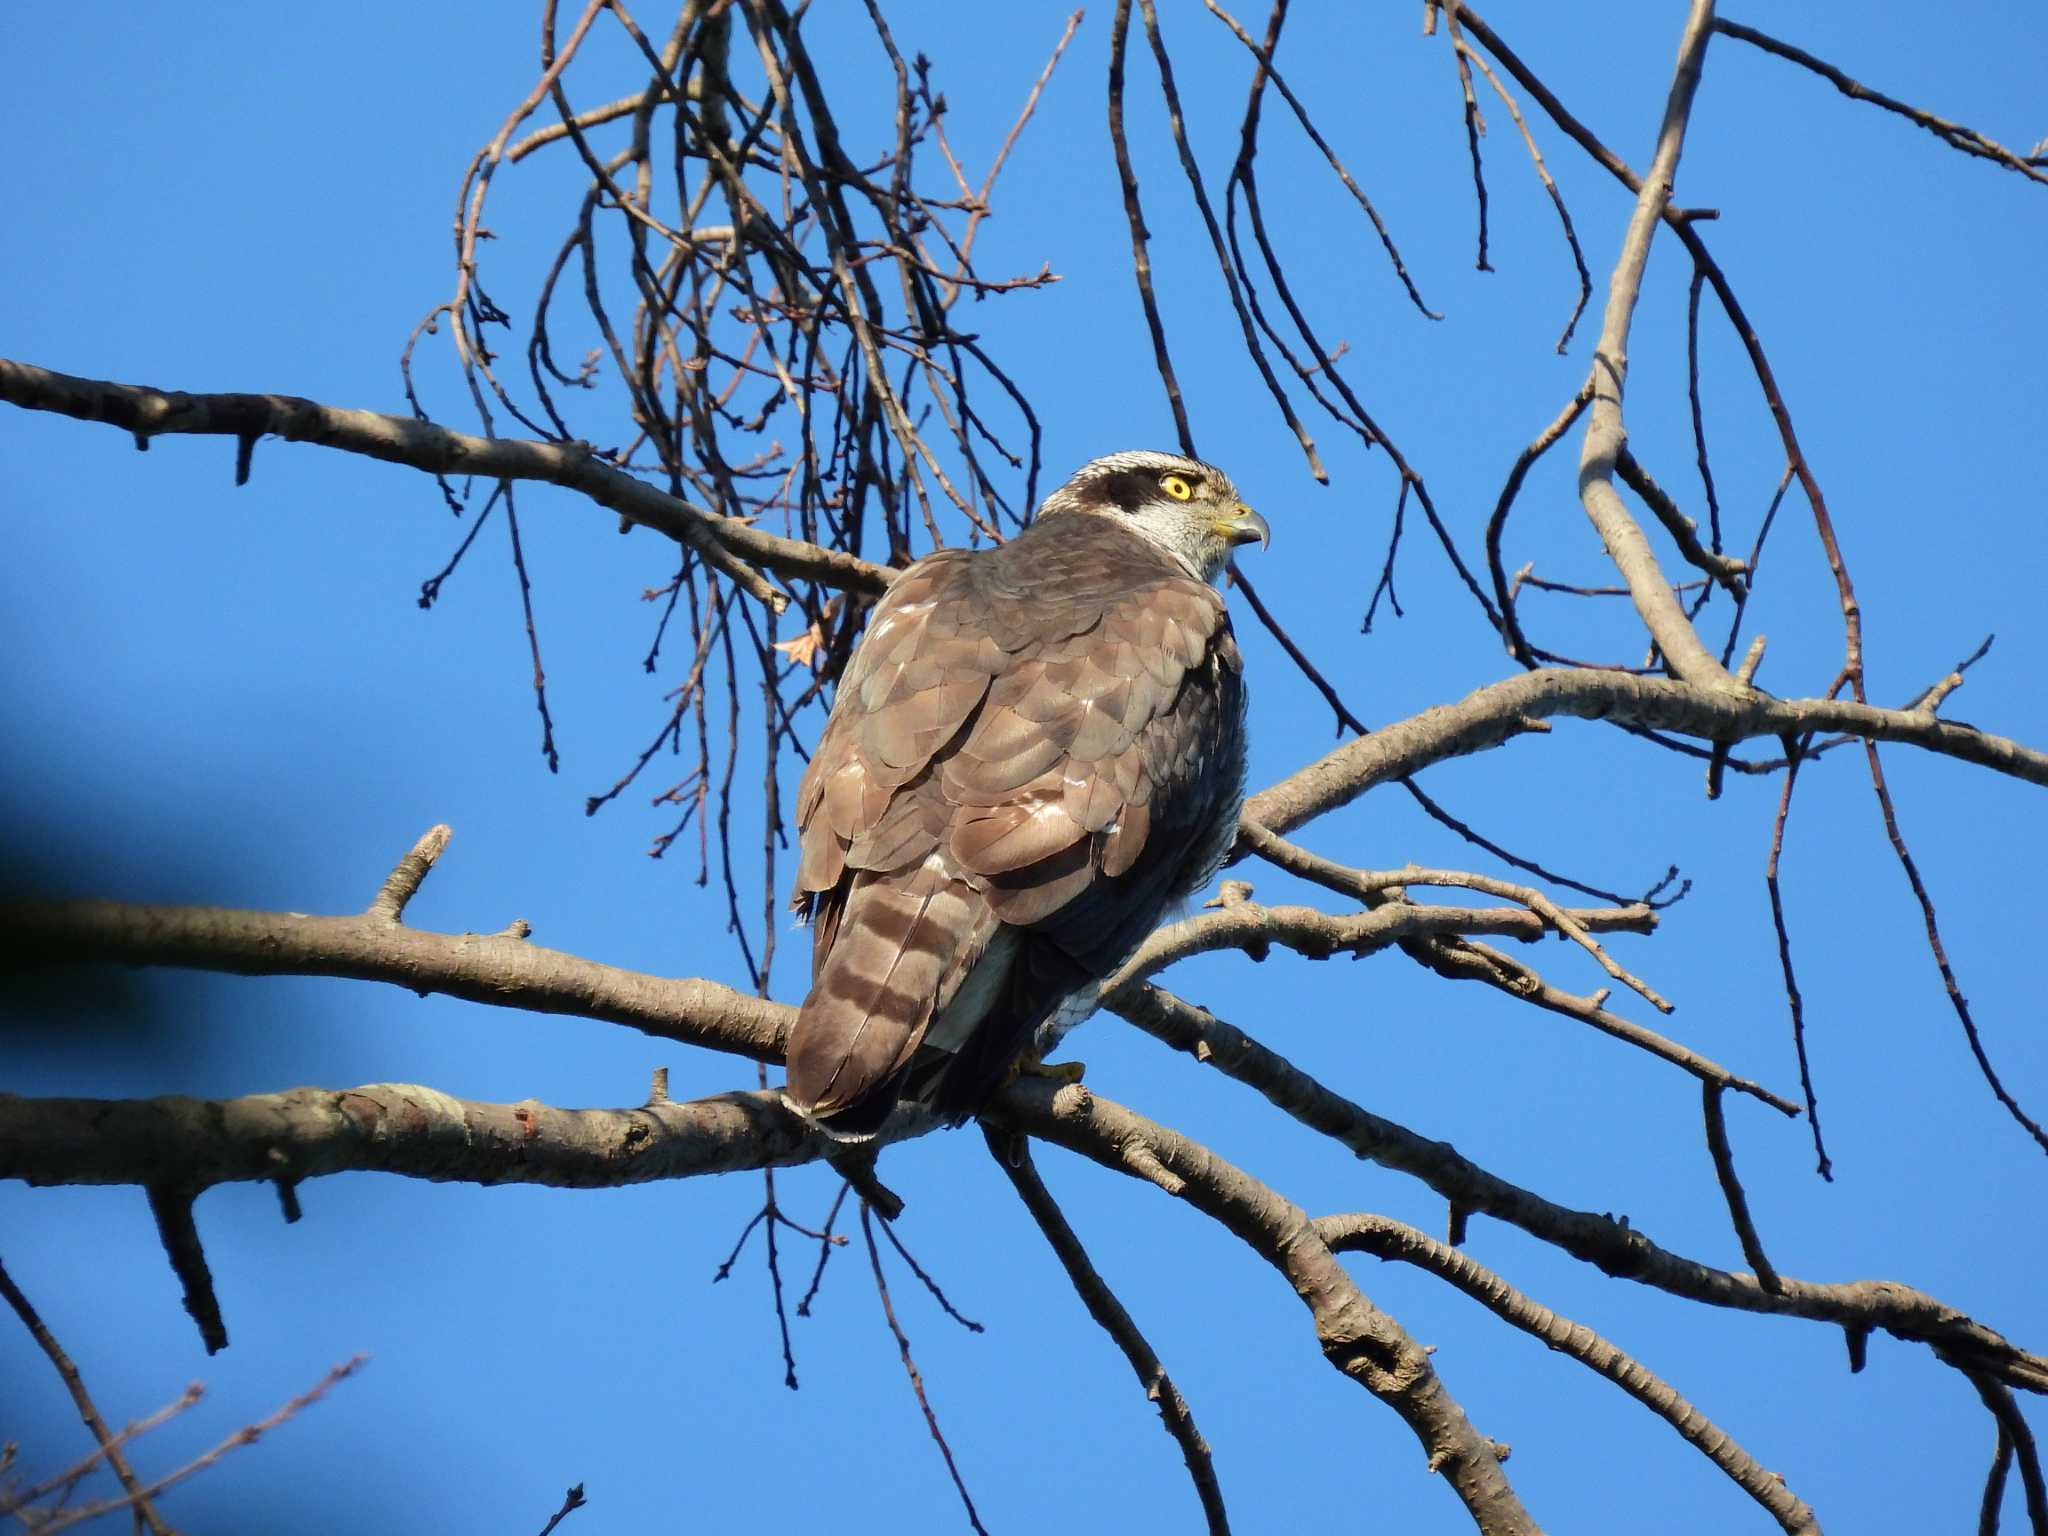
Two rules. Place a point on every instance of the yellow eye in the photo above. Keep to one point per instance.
(1176, 487)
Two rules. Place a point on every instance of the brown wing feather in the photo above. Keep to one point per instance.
(1042, 737)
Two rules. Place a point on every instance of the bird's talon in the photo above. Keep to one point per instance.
(1062, 1072)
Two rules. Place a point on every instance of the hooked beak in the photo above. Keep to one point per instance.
(1246, 525)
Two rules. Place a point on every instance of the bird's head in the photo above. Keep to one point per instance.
(1183, 505)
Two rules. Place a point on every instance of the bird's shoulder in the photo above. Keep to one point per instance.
(1064, 577)
(1074, 624)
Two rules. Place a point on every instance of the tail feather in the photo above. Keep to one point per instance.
(898, 954)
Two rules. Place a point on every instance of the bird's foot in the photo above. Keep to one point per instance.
(1061, 1072)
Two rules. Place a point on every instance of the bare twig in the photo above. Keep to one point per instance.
(1935, 947)
(1511, 628)
(71, 1476)
(571, 1501)
(1013, 1156)
(1475, 129)
(1564, 217)
(2013, 1430)
(1369, 884)
(248, 1434)
(1684, 532)
(1336, 165)
(1170, 94)
(1793, 1001)
(109, 1445)
(1731, 1189)
(924, 1279)
(910, 1369)
(404, 881)
(1134, 214)
(1954, 135)
(171, 1204)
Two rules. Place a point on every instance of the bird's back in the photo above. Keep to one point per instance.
(1035, 748)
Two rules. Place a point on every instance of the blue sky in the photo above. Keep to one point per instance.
(230, 696)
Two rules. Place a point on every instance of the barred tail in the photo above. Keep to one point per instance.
(899, 953)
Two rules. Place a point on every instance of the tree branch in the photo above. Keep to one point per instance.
(727, 543)
(1318, 934)
(1376, 887)
(422, 1133)
(1606, 438)
(402, 1128)
(1614, 1247)
(1361, 1341)
(1682, 225)
(2013, 1431)
(1510, 708)
(499, 968)
(1955, 135)
(412, 1130)
(1386, 1238)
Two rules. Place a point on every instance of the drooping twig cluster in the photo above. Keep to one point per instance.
(767, 311)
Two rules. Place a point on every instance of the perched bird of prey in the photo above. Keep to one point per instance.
(1036, 749)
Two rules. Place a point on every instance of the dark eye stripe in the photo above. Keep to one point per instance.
(1129, 489)
(1126, 488)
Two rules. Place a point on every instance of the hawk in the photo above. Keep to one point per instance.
(1036, 749)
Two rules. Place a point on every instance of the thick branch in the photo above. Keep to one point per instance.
(484, 968)
(508, 971)
(401, 1128)
(1510, 708)
(730, 545)
(422, 1133)
(413, 1130)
